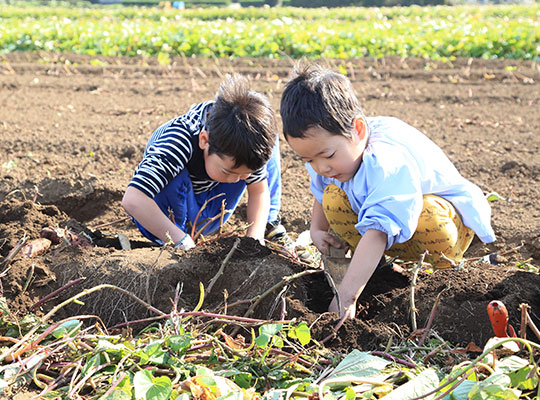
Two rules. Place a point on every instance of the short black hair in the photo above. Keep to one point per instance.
(318, 97)
(241, 124)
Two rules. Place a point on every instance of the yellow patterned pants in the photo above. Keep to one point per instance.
(440, 230)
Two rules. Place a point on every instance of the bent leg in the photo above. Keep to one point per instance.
(273, 169)
(440, 231)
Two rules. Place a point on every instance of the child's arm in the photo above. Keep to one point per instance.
(258, 207)
(365, 259)
(148, 214)
(320, 236)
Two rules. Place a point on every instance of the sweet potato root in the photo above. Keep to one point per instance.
(35, 247)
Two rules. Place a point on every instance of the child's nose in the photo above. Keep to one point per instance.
(326, 168)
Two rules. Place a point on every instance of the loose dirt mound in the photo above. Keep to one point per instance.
(161, 276)
(156, 275)
(72, 134)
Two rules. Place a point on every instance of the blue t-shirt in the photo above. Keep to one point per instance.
(399, 166)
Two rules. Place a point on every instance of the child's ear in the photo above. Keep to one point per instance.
(360, 126)
(203, 140)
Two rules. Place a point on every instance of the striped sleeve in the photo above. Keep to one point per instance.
(257, 176)
(169, 149)
(165, 156)
(167, 153)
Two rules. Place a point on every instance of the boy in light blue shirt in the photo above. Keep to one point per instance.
(381, 185)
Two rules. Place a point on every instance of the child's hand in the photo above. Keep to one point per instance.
(348, 311)
(323, 240)
(186, 243)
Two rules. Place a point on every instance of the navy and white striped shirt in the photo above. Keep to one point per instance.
(175, 146)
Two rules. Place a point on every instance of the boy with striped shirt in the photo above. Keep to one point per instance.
(220, 147)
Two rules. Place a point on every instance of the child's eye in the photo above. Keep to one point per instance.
(331, 155)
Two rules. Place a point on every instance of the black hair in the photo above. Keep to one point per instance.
(318, 97)
(241, 124)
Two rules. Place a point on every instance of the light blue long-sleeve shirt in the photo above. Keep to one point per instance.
(399, 166)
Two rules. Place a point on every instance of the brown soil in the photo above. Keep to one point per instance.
(72, 133)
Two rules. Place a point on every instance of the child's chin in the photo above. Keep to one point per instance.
(341, 178)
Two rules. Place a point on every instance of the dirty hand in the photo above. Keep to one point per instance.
(186, 243)
(348, 311)
(323, 240)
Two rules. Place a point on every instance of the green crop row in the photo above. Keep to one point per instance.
(344, 14)
(436, 33)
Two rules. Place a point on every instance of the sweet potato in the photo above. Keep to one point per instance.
(498, 316)
(35, 247)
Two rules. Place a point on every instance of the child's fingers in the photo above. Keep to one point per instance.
(324, 248)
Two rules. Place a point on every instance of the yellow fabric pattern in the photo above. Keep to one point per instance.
(440, 229)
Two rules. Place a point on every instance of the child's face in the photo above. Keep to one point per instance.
(221, 168)
(330, 155)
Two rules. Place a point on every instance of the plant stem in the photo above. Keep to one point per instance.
(394, 359)
(222, 267)
(57, 292)
(414, 326)
(431, 317)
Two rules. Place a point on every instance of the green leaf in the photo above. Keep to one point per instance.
(232, 396)
(493, 388)
(360, 364)
(149, 388)
(270, 329)
(125, 385)
(93, 362)
(494, 196)
(301, 332)
(97, 62)
(65, 327)
(243, 379)
(277, 341)
(350, 394)
(461, 392)
(112, 348)
(116, 395)
(213, 358)
(179, 343)
(510, 364)
(262, 340)
(425, 382)
(524, 378)
(9, 164)
(203, 371)
(155, 353)
(266, 332)
(163, 59)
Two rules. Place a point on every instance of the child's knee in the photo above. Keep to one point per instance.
(438, 218)
(441, 231)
